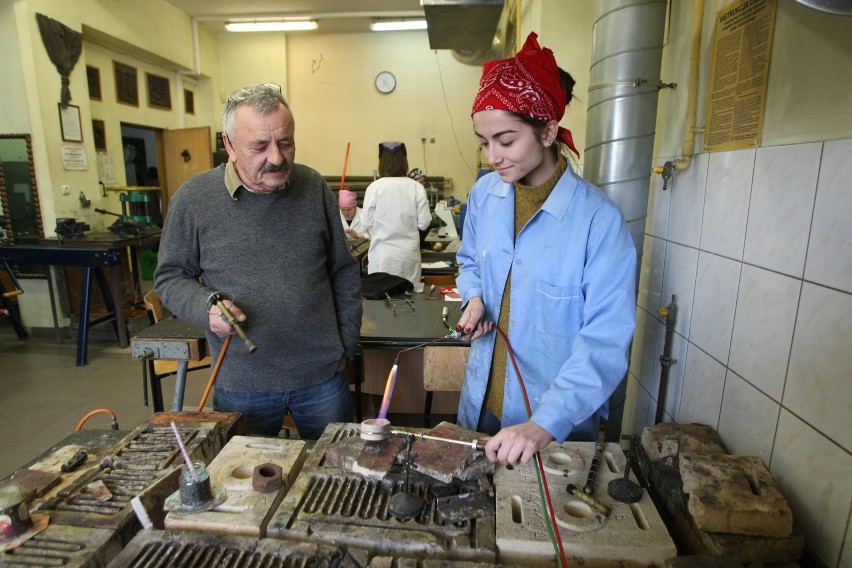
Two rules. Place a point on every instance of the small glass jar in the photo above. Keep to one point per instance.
(195, 490)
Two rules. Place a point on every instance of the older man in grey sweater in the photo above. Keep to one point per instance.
(266, 232)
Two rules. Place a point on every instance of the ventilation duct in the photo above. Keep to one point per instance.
(503, 43)
(467, 25)
(624, 85)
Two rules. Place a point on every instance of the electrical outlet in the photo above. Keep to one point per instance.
(66, 189)
(432, 140)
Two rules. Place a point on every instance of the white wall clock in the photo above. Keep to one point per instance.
(385, 82)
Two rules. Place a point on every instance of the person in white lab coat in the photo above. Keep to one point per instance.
(351, 215)
(395, 209)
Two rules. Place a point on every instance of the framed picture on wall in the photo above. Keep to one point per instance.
(126, 84)
(69, 120)
(99, 134)
(188, 101)
(159, 94)
(93, 74)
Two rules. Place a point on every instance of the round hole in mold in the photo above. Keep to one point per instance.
(242, 472)
(578, 510)
(560, 459)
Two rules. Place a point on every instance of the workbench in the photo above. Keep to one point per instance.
(92, 253)
(129, 244)
(175, 340)
(396, 326)
(382, 327)
(471, 513)
(92, 259)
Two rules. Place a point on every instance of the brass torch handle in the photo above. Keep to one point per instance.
(588, 500)
(232, 321)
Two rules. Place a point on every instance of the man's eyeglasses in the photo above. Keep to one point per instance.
(246, 92)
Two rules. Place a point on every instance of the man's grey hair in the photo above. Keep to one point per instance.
(263, 98)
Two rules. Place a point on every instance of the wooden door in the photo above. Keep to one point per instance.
(186, 152)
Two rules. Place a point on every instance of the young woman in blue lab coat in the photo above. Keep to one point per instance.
(548, 259)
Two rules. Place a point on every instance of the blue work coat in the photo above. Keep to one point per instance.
(573, 304)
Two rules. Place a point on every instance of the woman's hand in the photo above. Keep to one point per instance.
(470, 323)
(353, 234)
(517, 444)
(218, 324)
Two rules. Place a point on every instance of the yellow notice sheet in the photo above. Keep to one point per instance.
(738, 75)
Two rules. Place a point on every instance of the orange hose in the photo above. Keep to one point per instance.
(98, 411)
(214, 373)
(345, 162)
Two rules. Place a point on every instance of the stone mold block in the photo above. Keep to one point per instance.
(632, 534)
(67, 546)
(668, 440)
(348, 509)
(734, 494)
(245, 509)
(186, 548)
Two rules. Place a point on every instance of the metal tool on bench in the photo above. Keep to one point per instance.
(394, 303)
(588, 499)
(589, 487)
(218, 299)
(379, 429)
(624, 489)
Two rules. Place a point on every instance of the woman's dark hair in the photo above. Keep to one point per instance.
(393, 164)
(567, 82)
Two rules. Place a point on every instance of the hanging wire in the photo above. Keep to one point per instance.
(543, 488)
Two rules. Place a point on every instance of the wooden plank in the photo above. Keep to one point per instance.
(444, 368)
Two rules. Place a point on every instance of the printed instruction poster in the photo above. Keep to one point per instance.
(738, 76)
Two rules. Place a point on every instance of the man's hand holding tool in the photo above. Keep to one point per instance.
(225, 319)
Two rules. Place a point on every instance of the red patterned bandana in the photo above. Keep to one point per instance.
(527, 84)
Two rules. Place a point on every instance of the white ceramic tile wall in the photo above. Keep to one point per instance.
(782, 201)
(679, 280)
(703, 384)
(636, 412)
(766, 314)
(643, 348)
(771, 278)
(714, 304)
(815, 478)
(687, 203)
(830, 247)
(819, 381)
(726, 205)
(748, 419)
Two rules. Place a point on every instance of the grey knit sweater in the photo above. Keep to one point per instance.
(283, 258)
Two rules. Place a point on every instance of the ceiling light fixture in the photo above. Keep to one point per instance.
(272, 26)
(397, 25)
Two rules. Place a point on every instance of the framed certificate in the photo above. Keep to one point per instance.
(69, 119)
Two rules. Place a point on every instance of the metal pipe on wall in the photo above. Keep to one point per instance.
(624, 86)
